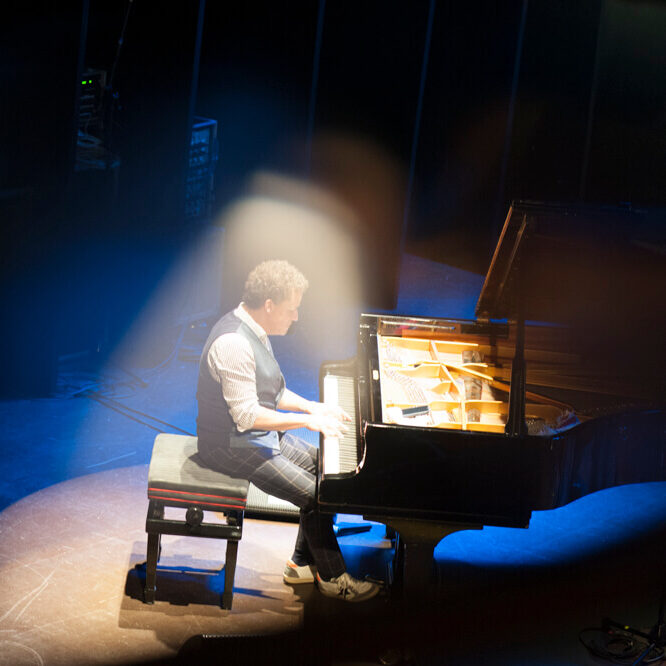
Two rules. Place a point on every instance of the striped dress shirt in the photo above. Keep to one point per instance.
(230, 358)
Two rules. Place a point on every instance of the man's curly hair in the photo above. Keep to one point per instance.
(275, 279)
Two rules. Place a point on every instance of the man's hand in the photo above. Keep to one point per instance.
(332, 411)
(327, 425)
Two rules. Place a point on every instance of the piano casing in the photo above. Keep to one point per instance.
(563, 319)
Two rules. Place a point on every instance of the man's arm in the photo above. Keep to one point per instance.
(293, 402)
(302, 413)
(269, 419)
(231, 358)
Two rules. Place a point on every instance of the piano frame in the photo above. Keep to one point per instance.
(429, 482)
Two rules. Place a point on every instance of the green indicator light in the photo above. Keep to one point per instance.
(83, 83)
(89, 81)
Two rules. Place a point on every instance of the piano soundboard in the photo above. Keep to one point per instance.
(426, 381)
(440, 383)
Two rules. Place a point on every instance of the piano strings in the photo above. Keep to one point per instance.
(447, 384)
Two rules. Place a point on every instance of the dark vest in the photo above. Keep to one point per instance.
(215, 427)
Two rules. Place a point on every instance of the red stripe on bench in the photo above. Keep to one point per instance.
(173, 499)
(185, 492)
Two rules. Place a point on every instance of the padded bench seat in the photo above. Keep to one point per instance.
(178, 478)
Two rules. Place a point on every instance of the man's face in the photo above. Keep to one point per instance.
(279, 316)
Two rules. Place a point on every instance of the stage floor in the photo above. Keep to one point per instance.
(73, 476)
(71, 573)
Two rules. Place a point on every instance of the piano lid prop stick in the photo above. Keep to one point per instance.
(473, 386)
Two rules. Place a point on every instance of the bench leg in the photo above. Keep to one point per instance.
(151, 568)
(229, 573)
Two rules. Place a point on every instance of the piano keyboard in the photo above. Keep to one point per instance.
(340, 453)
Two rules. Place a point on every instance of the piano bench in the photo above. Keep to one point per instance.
(177, 478)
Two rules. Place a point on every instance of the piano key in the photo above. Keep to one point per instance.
(341, 453)
(331, 444)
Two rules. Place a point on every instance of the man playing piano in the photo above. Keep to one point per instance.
(241, 432)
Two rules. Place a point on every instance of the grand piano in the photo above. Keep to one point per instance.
(556, 390)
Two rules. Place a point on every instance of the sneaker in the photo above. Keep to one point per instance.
(295, 575)
(347, 588)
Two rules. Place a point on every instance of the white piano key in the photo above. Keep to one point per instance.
(331, 444)
(331, 390)
(340, 453)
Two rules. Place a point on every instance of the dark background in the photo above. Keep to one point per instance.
(543, 100)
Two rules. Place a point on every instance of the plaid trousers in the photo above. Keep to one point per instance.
(289, 474)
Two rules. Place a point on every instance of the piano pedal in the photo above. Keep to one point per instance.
(390, 574)
(349, 528)
(376, 581)
(355, 529)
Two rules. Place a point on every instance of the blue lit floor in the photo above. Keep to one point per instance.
(72, 490)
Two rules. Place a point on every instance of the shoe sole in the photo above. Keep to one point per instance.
(367, 597)
(297, 581)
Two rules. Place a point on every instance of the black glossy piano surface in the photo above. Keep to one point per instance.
(490, 478)
(600, 355)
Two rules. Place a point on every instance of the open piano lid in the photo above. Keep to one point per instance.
(600, 272)
(572, 263)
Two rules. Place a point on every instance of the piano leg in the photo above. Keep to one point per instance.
(416, 546)
(414, 584)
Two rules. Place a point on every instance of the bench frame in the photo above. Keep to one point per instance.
(192, 526)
